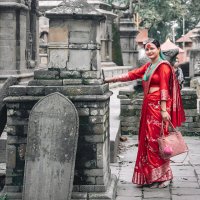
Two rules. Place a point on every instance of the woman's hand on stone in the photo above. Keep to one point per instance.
(108, 80)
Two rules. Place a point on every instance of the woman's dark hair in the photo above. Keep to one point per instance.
(151, 40)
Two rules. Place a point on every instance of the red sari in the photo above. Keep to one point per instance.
(150, 167)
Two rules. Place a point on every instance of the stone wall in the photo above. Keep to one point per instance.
(131, 103)
(92, 172)
(18, 38)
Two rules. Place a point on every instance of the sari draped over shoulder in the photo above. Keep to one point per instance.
(149, 166)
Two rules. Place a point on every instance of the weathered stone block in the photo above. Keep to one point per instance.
(14, 121)
(98, 111)
(190, 112)
(83, 111)
(17, 90)
(126, 102)
(35, 90)
(92, 81)
(13, 105)
(72, 81)
(13, 189)
(16, 140)
(79, 37)
(58, 56)
(86, 188)
(83, 90)
(129, 119)
(70, 74)
(8, 180)
(11, 130)
(52, 89)
(91, 180)
(122, 97)
(46, 74)
(94, 138)
(128, 93)
(129, 112)
(93, 172)
(83, 64)
(98, 119)
(45, 83)
(79, 195)
(11, 157)
(98, 129)
(91, 75)
(189, 119)
(127, 107)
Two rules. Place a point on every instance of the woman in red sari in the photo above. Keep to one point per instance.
(162, 102)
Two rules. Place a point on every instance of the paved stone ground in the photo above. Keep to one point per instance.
(186, 182)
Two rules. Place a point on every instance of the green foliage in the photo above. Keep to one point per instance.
(159, 15)
(116, 47)
(4, 197)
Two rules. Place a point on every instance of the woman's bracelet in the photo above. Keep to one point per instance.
(163, 110)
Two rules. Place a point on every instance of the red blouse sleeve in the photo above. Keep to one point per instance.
(137, 73)
(164, 72)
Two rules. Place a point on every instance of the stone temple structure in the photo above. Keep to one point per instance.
(105, 28)
(18, 38)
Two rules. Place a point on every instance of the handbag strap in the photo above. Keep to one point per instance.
(162, 127)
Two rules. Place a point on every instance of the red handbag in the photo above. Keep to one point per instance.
(172, 144)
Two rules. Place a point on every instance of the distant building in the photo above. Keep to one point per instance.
(141, 37)
(185, 43)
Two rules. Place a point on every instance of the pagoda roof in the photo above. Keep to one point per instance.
(186, 37)
(142, 35)
(167, 45)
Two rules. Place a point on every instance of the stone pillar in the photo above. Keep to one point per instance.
(128, 34)
(75, 71)
(18, 39)
(194, 69)
(105, 31)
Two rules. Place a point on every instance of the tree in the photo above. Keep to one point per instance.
(159, 15)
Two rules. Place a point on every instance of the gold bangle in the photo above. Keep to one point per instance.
(163, 110)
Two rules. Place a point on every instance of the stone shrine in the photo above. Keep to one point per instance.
(105, 28)
(76, 75)
(105, 31)
(128, 34)
(18, 39)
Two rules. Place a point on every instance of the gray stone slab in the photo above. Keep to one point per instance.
(185, 197)
(184, 184)
(157, 193)
(129, 190)
(183, 191)
(128, 198)
(51, 147)
(183, 171)
(4, 93)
